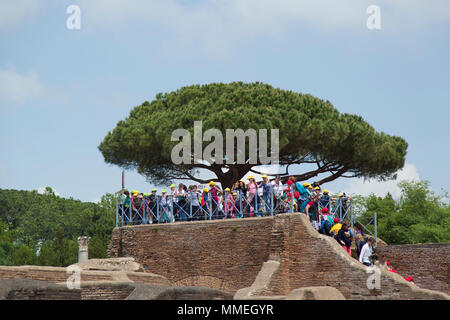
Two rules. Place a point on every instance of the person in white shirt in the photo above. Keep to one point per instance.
(277, 189)
(366, 252)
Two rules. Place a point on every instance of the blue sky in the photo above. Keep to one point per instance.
(62, 90)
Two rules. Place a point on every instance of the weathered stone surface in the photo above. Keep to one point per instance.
(315, 293)
(60, 275)
(26, 289)
(149, 292)
(125, 264)
(261, 282)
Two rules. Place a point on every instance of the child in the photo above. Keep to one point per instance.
(204, 202)
(153, 204)
(325, 223)
(287, 198)
(181, 202)
(173, 200)
(138, 207)
(164, 204)
(252, 190)
(267, 194)
(229, 203)
(241, 189)
(325, 199)
(343, 237)
(214, 198)
(277, 190)
(235, 210)
(195, 204)
(125, 203)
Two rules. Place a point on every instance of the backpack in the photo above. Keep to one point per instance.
(326, 227)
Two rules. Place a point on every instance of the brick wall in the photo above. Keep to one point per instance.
(228, 254)
(225, 254)
(428, 264)
(106, 291)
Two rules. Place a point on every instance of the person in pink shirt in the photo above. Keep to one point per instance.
(252, 190)
(214, 199)
(230, 203)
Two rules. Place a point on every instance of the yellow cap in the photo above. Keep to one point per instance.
(250, 177)
(325, 191)
(211, 183)
(205, 190)
(234, 194)
(340, 195)
(264, 176)
(306, 184)
(316, 188)
(227, 189)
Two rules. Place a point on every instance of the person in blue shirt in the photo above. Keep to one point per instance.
(325, 200)
(267, 198)
(304, 195)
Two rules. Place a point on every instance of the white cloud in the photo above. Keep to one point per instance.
(13, 12)
(42, 190)
(216, 26)
(17, 88)
(359, 186)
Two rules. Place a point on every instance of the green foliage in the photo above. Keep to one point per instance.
(311, 131)
(97, 248)
(23, 255)
(419, 216)
(43, 228)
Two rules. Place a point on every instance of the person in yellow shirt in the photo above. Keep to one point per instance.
(336, 227)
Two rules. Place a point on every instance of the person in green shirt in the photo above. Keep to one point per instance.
(124, 205)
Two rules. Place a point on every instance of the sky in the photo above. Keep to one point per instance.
(62, 89)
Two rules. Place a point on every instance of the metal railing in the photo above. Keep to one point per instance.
(355, 220)
(196, 206)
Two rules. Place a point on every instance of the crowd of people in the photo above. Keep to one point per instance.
(249, 199)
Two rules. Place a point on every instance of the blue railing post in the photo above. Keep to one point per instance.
(375, 226)
(190, 204)
(241, 214)
(291, 209)
(210, 205)
(351, 213)
(172, 214)
(255, 199)
(117, 212)
(157, 209)
(130, 218)
(225, 209)
(271, 200)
